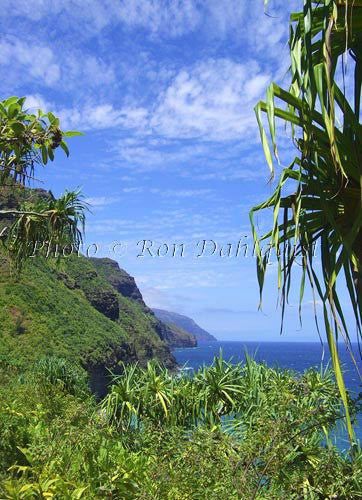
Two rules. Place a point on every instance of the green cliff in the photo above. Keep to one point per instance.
(185, 323)
(85, 310)
(70, 310)
(125, 284)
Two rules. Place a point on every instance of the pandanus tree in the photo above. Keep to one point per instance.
(27, 140)
(318, 197)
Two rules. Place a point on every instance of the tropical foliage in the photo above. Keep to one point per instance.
(318, 197)
(26, 140)
(50, 309)
(228, 432)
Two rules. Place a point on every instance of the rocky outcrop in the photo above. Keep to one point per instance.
(187, 324)
(88, 311)
(99, 373)
(118, 278)
(178, 337)
(125, 284)
(105, 301)
(67, 280)
(172, 334)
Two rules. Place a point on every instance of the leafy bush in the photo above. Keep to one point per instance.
(61, 373)
(229, 432)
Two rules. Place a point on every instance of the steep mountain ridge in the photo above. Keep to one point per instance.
(85, 310)
(185, 323)
(71, 311)
(125, 284)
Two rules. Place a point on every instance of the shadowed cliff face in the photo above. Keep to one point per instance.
(100, 280)
(118, 278)
(100, 372)
(185, 323)
(125, 284)
(105, 301)
(171, 334)
(103, 298)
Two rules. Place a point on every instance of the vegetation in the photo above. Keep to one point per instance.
(318, 198)
(230, 432)
(185, 323)
(62, 309)
(181, 338)
(26, 140)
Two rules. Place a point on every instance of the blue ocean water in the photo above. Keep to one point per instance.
(297, 356)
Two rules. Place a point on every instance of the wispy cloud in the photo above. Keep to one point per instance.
(172, 18)
(36, 101)
(183, 193)
(101, 201)
(169, 193)
(46, 65)
(212, 101)
(195, 277)
(228, 310)
(90, 117)
(30, 61)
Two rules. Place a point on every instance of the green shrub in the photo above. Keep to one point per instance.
(231, 432)
(61, 373)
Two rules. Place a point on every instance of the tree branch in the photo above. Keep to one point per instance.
(22, 212)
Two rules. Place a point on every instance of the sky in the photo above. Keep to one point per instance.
(164, 92)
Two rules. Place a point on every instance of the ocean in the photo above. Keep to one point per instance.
(297, 356)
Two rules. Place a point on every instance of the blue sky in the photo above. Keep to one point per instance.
(164, 92)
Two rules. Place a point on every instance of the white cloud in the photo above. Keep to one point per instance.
(171, 18)
(134, 117)
(51, 65)
(212, 100)
(150, 152)
(90, 117)
(135, 189)
(93, 71)
(85, 117)
(36, 101)
(192, 276)
(184, 193)
(166, 221)
(174, 16)
(101, 116)
(101, 201)
(95, 14)
(231, 174)
(39, 60)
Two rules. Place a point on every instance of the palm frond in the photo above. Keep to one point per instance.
(318, 198)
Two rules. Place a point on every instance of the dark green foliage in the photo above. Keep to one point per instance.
(28, 139)
(157, 436)
(63, 308)
(198, 466)
(59, 372)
